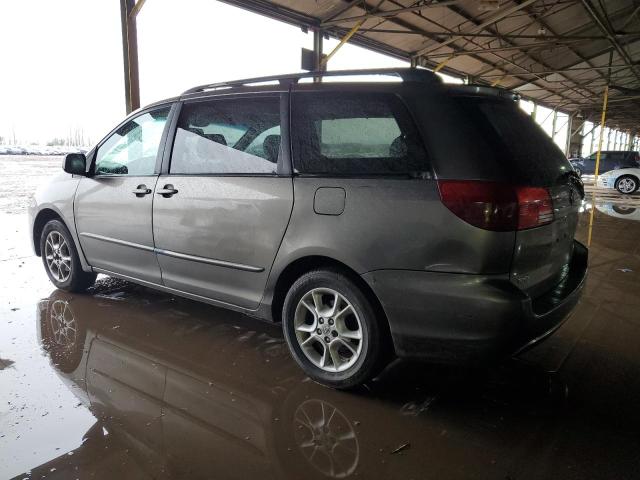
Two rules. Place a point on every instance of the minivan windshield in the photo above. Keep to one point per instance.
(522, 148)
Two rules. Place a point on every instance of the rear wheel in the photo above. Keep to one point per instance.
(61, 260)
(627, 184)
(332, 329)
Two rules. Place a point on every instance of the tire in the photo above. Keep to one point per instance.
(66, 272)
(324, 339)
(627, 184)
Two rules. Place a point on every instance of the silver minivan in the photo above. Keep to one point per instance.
(407, 218)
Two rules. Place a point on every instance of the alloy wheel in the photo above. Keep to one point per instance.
(626, 185)
(328, 330)
(58, 256)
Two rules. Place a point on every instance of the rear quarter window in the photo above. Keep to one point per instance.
(354, 134)
(519, 145)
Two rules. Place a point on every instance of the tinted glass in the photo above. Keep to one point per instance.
(239, 136)
(133, 148)
(521, 147)
(354, 134)
(617, 157)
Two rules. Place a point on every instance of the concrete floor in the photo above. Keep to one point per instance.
(144, 385)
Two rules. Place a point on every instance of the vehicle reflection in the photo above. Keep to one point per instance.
(185, 390)
(618, 210)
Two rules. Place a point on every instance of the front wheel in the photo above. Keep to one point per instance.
(332, 329)
(61, 260)
(627, 184)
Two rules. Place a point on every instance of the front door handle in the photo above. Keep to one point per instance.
(167, 191)
(141, 191)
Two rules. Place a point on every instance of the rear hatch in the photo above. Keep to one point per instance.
(532, 162)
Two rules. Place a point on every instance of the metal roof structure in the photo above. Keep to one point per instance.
(560, 53)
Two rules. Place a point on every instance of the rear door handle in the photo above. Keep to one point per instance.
(167, 191)
(141, 191)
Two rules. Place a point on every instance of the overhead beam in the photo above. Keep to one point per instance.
(595, 16)
(339, 10)
(558, 71)
(548, 28)
(481, 26)
(510, 36)
(389, 13)
(507, 48)
(525, 53)
(402, 23)
(577, 32)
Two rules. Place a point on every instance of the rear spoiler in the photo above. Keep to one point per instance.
(482, 90)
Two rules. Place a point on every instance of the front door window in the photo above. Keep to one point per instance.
(133, 148)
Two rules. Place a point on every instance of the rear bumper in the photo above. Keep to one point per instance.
(465, 318)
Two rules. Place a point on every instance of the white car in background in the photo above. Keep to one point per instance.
(625, 180)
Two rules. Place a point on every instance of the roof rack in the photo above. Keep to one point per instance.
(406, 74)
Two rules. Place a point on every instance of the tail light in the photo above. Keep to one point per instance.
(497, 206)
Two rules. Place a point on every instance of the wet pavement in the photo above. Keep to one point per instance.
(125, 382)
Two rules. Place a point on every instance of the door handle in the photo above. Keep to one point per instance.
(167, 191)
(141, 191)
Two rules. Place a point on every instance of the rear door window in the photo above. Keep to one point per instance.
(227, 137)
(354, 134)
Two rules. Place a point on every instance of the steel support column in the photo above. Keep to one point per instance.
(317, 50)
(318, 66)
(130, 54)
(603, 120)
(567, 143)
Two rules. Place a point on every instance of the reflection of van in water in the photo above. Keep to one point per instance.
(181, 390)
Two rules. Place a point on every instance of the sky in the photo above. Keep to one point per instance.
(61, 61)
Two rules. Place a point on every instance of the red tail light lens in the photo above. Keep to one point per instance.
(497, 206)
(534, 207)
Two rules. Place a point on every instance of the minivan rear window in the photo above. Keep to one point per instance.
(340, 133)
(522, 148)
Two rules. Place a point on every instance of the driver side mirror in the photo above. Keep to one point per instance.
(75, 163)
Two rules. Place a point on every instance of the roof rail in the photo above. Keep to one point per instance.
(406, 74)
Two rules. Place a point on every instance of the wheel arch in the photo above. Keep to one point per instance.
(42, 218)
(302, 265)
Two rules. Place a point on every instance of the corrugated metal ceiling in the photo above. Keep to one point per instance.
(556, 52)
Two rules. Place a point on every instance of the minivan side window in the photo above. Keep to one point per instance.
(354, 134)
(133, 148)
(231, 136)
(593, 156)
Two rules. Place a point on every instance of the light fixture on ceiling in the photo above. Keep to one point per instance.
(542, 31)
